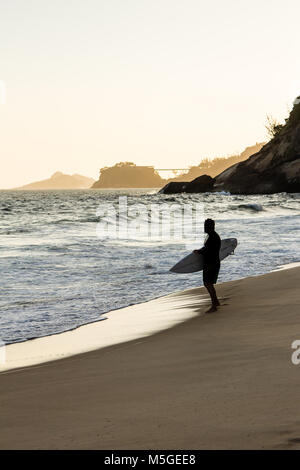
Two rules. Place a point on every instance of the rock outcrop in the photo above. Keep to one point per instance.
(202, 184)
(174, 187)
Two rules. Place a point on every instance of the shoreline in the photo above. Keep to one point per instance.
(217, 381)
(124, 325)
(90, 336)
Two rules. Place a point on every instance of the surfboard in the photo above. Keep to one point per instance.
(194, 261)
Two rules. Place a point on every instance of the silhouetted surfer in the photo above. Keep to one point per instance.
(211, 258)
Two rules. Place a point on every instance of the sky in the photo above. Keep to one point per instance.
(157, 82)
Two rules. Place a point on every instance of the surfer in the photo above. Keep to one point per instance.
(210, 253)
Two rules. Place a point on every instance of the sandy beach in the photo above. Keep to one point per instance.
(214, 381)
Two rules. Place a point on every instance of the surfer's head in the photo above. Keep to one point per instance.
(209, 225)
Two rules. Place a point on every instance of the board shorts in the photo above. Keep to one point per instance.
(210, 273)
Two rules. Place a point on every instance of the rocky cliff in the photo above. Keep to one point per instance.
(275, 168)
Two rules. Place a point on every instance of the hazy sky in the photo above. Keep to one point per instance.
(163, 82)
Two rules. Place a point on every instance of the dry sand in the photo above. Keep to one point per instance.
(215, 381)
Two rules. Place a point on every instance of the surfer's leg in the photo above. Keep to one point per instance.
(214, 299)
(210, 276)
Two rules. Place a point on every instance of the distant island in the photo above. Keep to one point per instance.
(129, 175)
(60, 181)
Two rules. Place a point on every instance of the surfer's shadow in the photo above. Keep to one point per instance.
(198, 307)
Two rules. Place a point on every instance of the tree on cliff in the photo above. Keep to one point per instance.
(273, 126)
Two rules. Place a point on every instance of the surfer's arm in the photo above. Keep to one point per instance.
(201, 251)
(207, 249)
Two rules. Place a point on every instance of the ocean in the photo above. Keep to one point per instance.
(67, 257)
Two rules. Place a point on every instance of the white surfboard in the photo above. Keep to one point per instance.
(194, 261)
